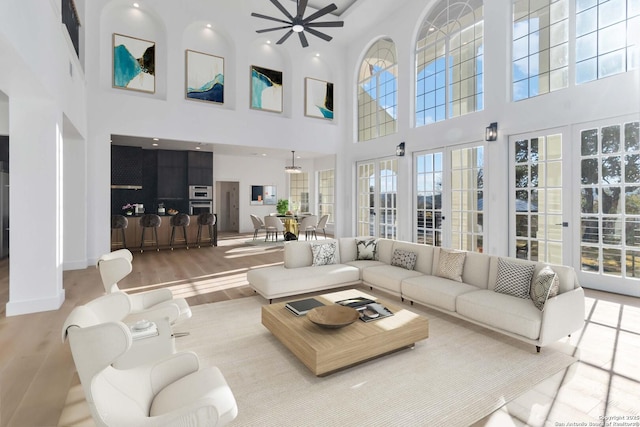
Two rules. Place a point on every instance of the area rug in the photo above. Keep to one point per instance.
(459, 375)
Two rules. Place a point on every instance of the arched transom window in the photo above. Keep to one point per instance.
(449, 61)
(378, 91)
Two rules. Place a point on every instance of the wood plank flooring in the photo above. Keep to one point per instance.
(36, 367)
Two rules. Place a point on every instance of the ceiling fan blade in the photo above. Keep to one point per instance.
(302, 5)
(303, 39)
(321, 12)
(282, 9)
(325, 24)
(286, 36)
(257, 15)
(273, 29)
(323, 36)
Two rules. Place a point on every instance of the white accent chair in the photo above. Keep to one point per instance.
(322, 225)
(170, 391)
(273, 225)
(154, 304)
(308, 225)
(258, 224)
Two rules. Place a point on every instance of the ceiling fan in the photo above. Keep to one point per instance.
(299, 24)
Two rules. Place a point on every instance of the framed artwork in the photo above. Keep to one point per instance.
(318, 98)
(204, 77)
(266, 89)
(134, 63)
(263, 195)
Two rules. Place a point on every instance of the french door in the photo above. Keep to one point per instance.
(539, 199)
(377, 198)
(608, 256)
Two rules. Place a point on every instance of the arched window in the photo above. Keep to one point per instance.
(378, 91)
(449, 61)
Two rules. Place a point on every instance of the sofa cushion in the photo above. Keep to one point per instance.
(363, 264)
(366, 249)
(501, 311)
(297, 254)
(324, 253)
(514, 278)
(276, 282)
(384, 250)
(424, 262)
(387, 277)
(450, 264)
(545, 285)
(435, 291)
(404, 259)
(476, 269)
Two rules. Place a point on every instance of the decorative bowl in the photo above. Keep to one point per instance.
(333, 316)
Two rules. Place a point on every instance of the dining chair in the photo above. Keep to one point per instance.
(308, 225)
(322, 224)
(258, 224)
(273, 224)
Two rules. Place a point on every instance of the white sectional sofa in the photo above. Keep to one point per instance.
(476, 287)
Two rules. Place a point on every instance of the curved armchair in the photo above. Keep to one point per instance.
(308, 225)
(322, 225)
(155, 304)
(172, 391)
(273, 225)
(258, 225)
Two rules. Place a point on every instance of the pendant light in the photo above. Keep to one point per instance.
(293, 168)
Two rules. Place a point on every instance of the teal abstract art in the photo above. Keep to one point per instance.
(266, 89)
(133, 63)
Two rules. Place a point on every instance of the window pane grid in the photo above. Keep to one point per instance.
(299, 192)
(326, 197)
(449, 63)
(610, 200)
(540, 47)
(467, 181)
(429, 170)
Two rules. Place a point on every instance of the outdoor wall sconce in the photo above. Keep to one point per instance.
(400, 149)
(491, 132)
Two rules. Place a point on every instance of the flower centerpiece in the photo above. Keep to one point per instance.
(129, 208)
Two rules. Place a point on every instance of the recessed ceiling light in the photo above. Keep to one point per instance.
(264, 154)
(268, 41)
(197, 148)
(208, 25)
(136, 5)
(317, 54)
(155, 144)
(156, 139)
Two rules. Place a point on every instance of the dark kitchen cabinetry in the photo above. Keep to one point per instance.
(200, 170)
(172, 175)
(126, 166)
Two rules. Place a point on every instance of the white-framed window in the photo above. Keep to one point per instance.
(540, 47)
(378, 91)
(326, 194)
(449, 62)
(607, 36)
(299, 192)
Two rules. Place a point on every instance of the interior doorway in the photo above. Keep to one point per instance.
(227, 197)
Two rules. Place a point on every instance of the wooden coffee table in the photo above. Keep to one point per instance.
(327, 350)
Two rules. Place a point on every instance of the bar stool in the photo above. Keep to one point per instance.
(150, 221)
(179, 220)
(210, 220)
(119, 222)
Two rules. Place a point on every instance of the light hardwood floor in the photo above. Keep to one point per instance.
(36, 368)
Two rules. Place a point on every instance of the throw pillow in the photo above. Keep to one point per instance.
(366, 249)
(450, 264)
(404, 259)
(514, 278)
(324, 253)
(544, 286)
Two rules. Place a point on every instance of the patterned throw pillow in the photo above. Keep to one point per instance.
(404, 259)
(324, 253)
(450, 264)
(545, 285)
(514, 278)
(367, 249)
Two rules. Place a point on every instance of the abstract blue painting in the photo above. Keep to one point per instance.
(134, 63)
(318, 99)
(205, 77)
(266, 89)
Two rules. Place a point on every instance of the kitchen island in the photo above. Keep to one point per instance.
(133, 234)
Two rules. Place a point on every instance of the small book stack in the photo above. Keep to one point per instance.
(302, 307)
(367, 308)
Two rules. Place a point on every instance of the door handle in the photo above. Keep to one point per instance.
(564, 224)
